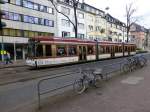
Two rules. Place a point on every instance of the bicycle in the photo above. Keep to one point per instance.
(80, 85)
(129, 65)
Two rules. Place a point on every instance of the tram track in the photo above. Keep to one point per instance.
(42, 73)
(28, 75)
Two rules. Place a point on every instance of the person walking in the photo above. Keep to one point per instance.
(8, 58)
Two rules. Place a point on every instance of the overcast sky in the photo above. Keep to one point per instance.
(117, 9)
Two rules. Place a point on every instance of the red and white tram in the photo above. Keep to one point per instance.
(50, 51)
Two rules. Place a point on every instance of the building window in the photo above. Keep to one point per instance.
(80, 15)
(41, 21)
(51, 23)
(81, 36)
(65, 10)
(6, 16)
(25, 19)
(17, 17)
(36, 20)
(43, 8)
(81, 25)
(36, 6)
(18, 2)
(65, 34)
(30, 5)
(25, 3)
(65, 23)
(50, 10)
(31, 19)
(90, 27)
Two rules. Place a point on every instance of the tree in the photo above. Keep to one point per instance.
(129, 18)
(75, 6)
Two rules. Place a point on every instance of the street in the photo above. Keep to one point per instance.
(21, 94)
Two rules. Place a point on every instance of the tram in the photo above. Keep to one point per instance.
(52, 51)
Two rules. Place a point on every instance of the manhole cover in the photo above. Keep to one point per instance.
(132, 80)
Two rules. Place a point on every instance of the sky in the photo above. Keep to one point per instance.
(117, 9)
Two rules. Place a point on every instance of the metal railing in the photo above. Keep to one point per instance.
(106, 70)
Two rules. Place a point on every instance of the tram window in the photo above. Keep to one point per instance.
(116, 48)
(61, 50)
(102, 50)
(107, 49)
(90, 50)
(120, 49)
(48, 50)
(126, 49)
(72, 50)
(39, 50)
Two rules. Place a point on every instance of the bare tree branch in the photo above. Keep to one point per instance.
(129, 18)
(75, 6)
(62, 13)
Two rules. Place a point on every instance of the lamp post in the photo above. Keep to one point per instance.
(97, 52)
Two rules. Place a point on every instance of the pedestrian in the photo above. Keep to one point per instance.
(8, 58)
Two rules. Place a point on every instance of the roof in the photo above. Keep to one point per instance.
(76, 40)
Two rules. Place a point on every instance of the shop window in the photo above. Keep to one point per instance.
(72, 50)
(90, 50)
(61, 51)
(48, 50)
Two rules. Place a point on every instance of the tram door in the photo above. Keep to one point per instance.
(82, 53)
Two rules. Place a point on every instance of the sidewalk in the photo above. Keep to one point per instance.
(15, 64)
(122, 93)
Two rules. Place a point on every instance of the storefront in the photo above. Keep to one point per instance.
(17, 47)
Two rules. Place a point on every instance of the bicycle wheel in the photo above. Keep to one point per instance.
(79, 86)
(125, 68)
(97, 81)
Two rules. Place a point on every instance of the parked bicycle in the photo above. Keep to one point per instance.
(133, 63)
(89, 77)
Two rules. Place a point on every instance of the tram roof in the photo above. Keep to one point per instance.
(77, 40)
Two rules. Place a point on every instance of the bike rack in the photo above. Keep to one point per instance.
(40, 93)
(104, 68)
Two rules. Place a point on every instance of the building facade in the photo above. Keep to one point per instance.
(26, 19)
(138, 35)
(30, 18)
